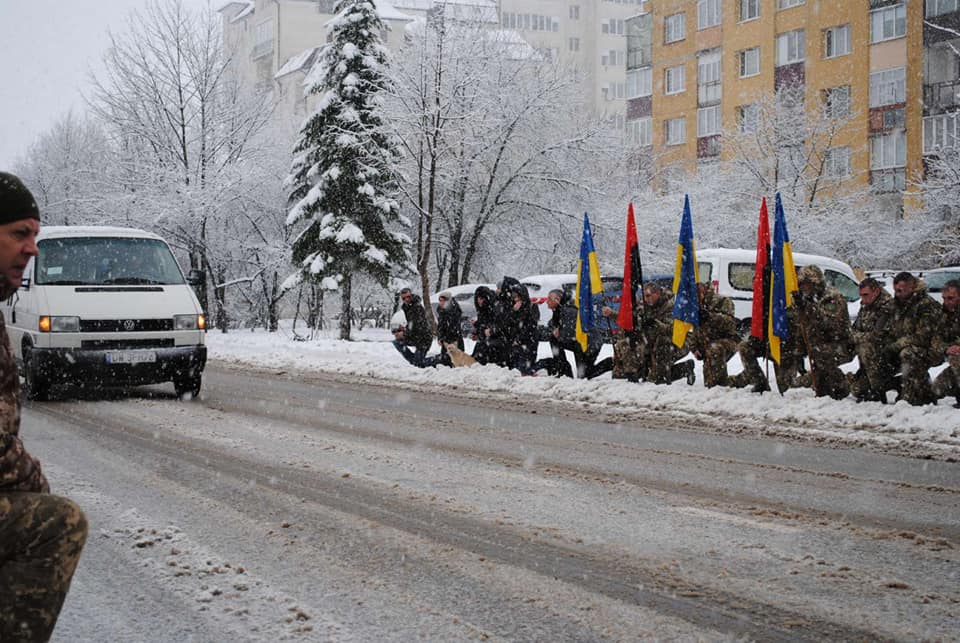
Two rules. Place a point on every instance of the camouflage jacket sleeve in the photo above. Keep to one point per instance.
(18, 469)
(924, 326)
(948, 333)
(831, 321)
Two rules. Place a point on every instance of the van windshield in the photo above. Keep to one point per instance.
(105, 261)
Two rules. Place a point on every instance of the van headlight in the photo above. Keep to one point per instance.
(189, 322)
(59, 324)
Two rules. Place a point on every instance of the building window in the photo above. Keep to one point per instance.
(640, 132)
(941, 133)
(836, 102)
(574, 12)
(708, 13)
(639, 82)
(708, 78)
(263, 39)
(836, 41)
(836, 162)
(674, 80)
(674, 28)
(888, 87)
(749, 9)
(786, 4)
(940, 7)
(790, 47)
(612, 58)
(708, 121)
(749, 62)
(893, 180)
(573, 44)
(748, 118)
(888, 150)
(888, 23)
(676, 131)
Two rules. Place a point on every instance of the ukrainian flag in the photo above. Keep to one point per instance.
(783, 283)
(686, 303)
(588, 284)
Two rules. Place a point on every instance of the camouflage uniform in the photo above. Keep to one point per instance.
(648, 353)
(715, 339)
(787, 371)
(41, 535)
(870, 330)
(910, 343)
(948, 382)
(826, 331)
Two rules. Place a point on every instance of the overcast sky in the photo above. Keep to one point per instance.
(48, 48)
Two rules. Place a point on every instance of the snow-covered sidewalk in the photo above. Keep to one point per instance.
(926, 431)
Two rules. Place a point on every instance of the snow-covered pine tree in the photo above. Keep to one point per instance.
(342, 179)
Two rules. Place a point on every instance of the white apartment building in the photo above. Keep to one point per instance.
(276, 41)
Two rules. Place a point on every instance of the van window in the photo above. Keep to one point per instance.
(847, 286)
(96, 261)
(741, 276)
(705, 271)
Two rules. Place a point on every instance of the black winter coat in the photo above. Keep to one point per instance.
(448, 324)
(418, 332)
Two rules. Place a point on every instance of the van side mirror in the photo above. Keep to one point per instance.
(25, 283)
(196, 278)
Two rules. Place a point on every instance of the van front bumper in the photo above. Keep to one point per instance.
(117, 367)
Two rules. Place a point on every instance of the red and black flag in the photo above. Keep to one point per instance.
(632, 276)
(761, 277)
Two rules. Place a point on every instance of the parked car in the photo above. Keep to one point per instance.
(106, 306)
(730, 270)
(937, 278)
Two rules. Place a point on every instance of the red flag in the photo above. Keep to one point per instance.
(761, 275)
(632, 275)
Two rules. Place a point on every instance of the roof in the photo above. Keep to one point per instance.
(65, 231)
(301, 62)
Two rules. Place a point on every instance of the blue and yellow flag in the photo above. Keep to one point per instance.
(783, 283)
(686, 304)
(588, 284)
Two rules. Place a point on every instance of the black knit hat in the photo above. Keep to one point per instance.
(16, 202)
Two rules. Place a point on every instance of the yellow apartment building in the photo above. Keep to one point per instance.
(697, 68)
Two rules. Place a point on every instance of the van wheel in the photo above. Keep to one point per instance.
(188, 386)
(34, 384)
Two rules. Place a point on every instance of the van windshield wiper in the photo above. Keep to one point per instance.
(66, 282)
(131, 280)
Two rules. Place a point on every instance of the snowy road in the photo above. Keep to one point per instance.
(305, 506)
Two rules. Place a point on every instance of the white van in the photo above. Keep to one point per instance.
(730, 270)
(107, 306)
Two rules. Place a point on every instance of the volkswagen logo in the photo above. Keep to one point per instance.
(129, 324)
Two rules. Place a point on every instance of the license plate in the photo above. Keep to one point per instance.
(131, 357)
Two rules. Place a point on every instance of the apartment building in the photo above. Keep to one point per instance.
(589, 35)
(276, 40)
(696, 69)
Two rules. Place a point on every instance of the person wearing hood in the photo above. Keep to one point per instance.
(448, 330)
(524, 325)
(41, 535)
(913, 329)
(825, 328)
(416, 333)
(485, 350)
(503, 331)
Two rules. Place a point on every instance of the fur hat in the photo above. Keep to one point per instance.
(16, 202)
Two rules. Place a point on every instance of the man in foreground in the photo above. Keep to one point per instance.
(41, 535)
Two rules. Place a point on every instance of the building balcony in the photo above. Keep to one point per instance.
(941, 97)
(262, 49)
